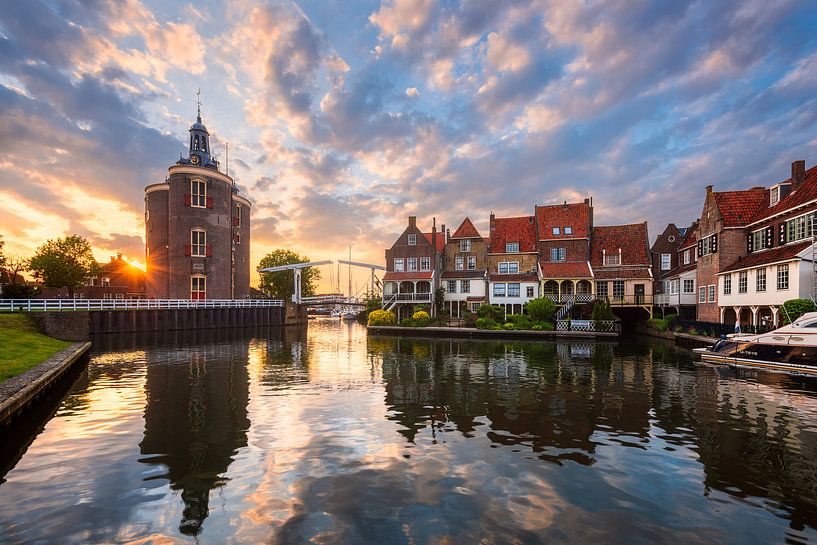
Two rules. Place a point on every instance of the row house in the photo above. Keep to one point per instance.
(772, 257)
(465, 265)
(513, 269)
(622, 265)
(413, 269)
(664, 253)
(564, 232)
(678, 285)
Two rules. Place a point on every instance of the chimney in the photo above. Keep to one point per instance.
(798, 173)
(709, 189)
(119, 256)
(447, 235)
(413, 221)
(434, 233)
(587, 201)
(113, 258)
(443, 234)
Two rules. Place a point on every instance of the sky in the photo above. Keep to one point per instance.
(343, 117)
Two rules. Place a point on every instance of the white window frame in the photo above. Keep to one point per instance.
(411, 264)
(499, 290)
(727, 284)
(743, 282)
(516, 288)
(783, 277)
(666, 262)
(198, 284)
(198, 244)
(425, 263)
(529, 291)
(458, 263)
(558, 254)
(612, 259)
(472, 262)
(465, 286)
(760, 279)
(198, 199)
(508, 267)
(712, 293)
(465, 245)
(689, 285)
(702, 294)
(399, 264)
(412, 240)
(452, 286)
(686, 256)
(511, 247)
(557, 231)
(774, 195)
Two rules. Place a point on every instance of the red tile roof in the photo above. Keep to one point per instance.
(440, 241)
(413, 275)
(765, 257)
(616, 273)
(521, 277)
(807, 192)
(573, 215)
(521, 230)
(475, 298)
(632, 239)
(466, 230)
(740, 207)
(463, 274)
(567, 269)
(680, 270)
(690, 237)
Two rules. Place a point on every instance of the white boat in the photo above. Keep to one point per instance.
(791, 348)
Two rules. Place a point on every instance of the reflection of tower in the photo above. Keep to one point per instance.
(195, 420)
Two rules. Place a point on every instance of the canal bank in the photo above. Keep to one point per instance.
(19, 392)
(684, 340)
(473, 333)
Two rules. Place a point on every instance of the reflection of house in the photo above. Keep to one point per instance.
(564, 232)
(413, 268)
(678, 284)
(195, 420)
(464, 267)
(620, 259)
(117, 279)
(771, 256)
(512, 262)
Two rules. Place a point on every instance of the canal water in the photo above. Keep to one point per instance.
(330, 436)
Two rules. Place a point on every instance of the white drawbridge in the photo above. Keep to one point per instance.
(298, 268)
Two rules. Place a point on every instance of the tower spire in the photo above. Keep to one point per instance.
(198, 105)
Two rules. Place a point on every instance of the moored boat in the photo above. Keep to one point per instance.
(791, 348)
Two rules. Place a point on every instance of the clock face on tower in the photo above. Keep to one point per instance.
(194, 159)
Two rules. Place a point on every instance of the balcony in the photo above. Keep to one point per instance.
(565, 298)
(417, 297)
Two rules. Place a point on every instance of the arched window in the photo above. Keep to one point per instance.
(196, 145)
(198, 243)
(204, 144)
(198, 286)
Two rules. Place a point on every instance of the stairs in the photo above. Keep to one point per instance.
(388, 305)
(566, 308)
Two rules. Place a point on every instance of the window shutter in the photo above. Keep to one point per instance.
(750, 243)
(769, 236)
(187, 199)
(713, 244)
(782, 233)
(209, 202)
(700, 248)
(208, 250)
(188, 250)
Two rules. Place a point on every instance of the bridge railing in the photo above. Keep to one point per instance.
(35, 305)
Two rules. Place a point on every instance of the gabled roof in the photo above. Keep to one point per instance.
(408, 275)
(765, 257)
(739, 208)
(573, 215)
(440, 241)
(632, 239)
(466, 230)
(691, 266)
(806, 192)
(521, 230)
(565, 269)
(690, 237)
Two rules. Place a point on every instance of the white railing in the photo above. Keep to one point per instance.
(35, 305)
(418, 297)
(571, 298)
(602, 326)
(332, 299)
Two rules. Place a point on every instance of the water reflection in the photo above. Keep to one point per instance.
(330, 436)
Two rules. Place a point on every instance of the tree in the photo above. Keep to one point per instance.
(794, 308)
(541, 309)
(14, 265)
(2, 257)
(64, 262)
(281, 285)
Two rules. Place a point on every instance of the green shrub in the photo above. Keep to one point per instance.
(407, 322)
(693, 331)
(492, 312)
(509, 326)
(794, 308)
(496, 327)
(548, 326)
(657, 324)
(541, 309)
(602, 311)
(485, 323)
(381, 317)
(470, 319)
(519, 320)
(422, 322)
(536, 327)
(670, 319)
(678, 329)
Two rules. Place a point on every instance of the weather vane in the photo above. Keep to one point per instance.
(198, 102)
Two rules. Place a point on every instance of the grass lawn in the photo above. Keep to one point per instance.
(22, 346)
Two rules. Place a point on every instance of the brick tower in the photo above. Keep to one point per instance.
(197, 229)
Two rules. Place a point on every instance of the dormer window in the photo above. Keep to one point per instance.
(612, 258)
(511, 247)
(465, 245)
(568, 230)
(557, 231)
(774, 195)
(412, 240)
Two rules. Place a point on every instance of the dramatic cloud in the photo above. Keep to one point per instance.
(342, 118)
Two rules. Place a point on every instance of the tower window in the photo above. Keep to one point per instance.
(198, 287)
(198, 192)
(238, 215)
(196, 145)
(204, 144)
(198, 243)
